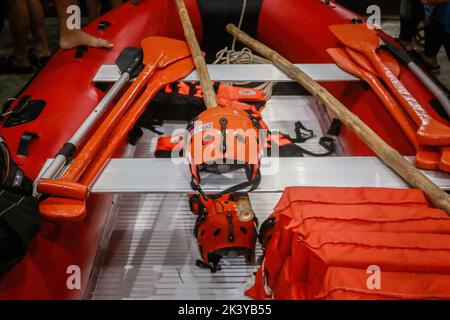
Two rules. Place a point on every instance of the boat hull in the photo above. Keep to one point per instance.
(66, 86)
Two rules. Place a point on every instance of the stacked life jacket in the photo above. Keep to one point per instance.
(354, 243)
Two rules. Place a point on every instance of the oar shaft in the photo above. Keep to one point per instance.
(95, 142)
(61, 158)
(387, 154)
(414, 109)
(393, 107)
(119, 134)
(205, 81)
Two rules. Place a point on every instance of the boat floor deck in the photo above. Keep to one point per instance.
(152, 251)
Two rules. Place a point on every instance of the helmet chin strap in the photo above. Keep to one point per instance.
(252, 184)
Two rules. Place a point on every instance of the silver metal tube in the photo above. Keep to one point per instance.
(60, 160)
(53, 169)
(79, 135)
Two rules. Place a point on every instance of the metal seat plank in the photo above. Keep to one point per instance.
(246, 72)
(123, 176)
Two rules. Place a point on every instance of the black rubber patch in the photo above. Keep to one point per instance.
(25, 142)
(29, 113)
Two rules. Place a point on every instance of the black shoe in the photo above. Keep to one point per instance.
(36, 61)
(7, 66)
(431, 67)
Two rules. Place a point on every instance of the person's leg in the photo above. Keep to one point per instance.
(115, 3)
(417, 12)
(405, 19)
(447, 44)
(94, 9)
(19, 21)
(37, 15)
(411, 12)
(434, 39)
(434, 36)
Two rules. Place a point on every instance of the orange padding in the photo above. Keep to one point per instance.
(326, 239)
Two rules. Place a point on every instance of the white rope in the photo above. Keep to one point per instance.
(245, 56)
(241, 20)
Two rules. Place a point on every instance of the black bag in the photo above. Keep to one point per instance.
(19, 223)
(19, 213)
(12, 177)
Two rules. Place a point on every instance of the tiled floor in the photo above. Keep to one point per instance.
(10, 85)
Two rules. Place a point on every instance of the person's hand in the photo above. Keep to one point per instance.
(74, 38)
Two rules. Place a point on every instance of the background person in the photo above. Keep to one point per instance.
(26, 15)
(411, 14)
(437, 31)
(29, 15)
(94, 7)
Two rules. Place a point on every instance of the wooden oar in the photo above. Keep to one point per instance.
(69, 209)
(425, 157)
(205, 80)
(158, 53)
(366, 41)
(387, 154)
(209, 96)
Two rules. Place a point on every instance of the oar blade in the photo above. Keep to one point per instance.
(356, 36)
(444, 164)
(427, 158)
(164, 50)
(63, 209)
(360, 59)
(174, 72)
(342, 59)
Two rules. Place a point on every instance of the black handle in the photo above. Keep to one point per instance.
(21, 106)
(400, 53)
(130, 59)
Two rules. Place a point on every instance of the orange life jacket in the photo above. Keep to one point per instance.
(323, 241)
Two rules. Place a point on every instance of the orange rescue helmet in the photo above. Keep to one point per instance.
(222, 140)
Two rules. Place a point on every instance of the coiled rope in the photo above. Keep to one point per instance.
(244, 56)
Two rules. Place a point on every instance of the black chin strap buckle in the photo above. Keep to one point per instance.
(213, 267)
(302, 134)
(196, 187)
